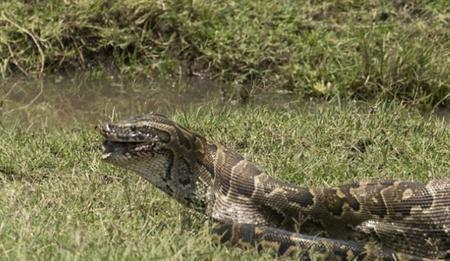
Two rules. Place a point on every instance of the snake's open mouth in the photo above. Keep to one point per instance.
(114, 144)
(123, 141)
(110, 147)
(118, 148)
(124, 148)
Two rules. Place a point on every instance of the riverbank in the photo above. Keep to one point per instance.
(361, 50)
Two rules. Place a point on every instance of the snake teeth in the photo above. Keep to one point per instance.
(106, 155)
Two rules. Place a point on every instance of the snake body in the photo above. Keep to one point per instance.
(407, 220)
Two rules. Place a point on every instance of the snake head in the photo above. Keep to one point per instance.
(136, 137)
(157, 149)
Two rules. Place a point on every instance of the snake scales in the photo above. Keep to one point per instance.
(408, 220)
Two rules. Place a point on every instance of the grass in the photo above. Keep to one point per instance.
(60, 202)
(364, 49)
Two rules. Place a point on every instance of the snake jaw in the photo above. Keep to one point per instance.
(122, 141)
(111, 148)
(126, 149)
(105, 156)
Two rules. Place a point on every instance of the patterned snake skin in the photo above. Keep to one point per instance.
(385, 220)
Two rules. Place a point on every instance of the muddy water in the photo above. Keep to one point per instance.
(67, 101)
(60, 101)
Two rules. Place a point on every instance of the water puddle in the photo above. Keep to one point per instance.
(61, 101)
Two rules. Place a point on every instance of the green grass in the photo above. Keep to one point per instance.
(364, 49)
(60, 202)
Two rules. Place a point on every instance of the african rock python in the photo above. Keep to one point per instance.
(408, 220)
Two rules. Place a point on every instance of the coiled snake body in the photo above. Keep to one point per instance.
(408, 220)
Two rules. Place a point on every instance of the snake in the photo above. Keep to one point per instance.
(373, 220)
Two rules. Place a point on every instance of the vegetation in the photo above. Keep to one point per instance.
(350, 48)
(60, 202)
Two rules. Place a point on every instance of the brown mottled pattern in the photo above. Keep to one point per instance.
(384, 220)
